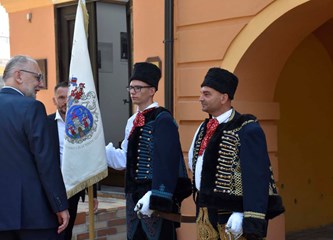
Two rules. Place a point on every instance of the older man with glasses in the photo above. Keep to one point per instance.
(152, 156)
(33, 198)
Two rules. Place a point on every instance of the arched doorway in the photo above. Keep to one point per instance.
(264, 56)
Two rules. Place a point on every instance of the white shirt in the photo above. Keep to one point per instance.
(116, 157)
(224, 117)
(61, 133)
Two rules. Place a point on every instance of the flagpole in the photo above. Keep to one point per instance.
(91, 213)
(84, 145)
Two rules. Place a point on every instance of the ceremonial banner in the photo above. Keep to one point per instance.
(84, 157)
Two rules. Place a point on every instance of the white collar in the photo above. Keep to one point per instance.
(58, 117)
(153, 105)
(224, 117)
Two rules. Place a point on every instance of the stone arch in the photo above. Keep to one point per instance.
(260, 51)
(258, 56)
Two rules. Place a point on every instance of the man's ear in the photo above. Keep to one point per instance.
(54, 101)
(224, 98)
(17, 77)
(152, 91)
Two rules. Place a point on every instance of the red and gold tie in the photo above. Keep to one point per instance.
(139, 120)
(211, 127)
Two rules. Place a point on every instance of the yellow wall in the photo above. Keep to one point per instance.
(36, 39)
(305, 94)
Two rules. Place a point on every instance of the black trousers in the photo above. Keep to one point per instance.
(35, 234)
(168, 232)
(72, 209)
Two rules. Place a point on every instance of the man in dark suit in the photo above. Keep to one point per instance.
(33, 198)
(57, 125)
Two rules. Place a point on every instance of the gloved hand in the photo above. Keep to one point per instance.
(234, 224)
(142, 206)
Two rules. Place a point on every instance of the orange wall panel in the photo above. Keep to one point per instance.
(36, 39)
(197, 11)
(206, 42)
(148, 35)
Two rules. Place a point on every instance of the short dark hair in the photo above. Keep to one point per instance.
(61, 84)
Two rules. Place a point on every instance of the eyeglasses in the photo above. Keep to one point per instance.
(39, 76)
(136, 88)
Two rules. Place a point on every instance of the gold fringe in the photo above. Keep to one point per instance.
(90, 181)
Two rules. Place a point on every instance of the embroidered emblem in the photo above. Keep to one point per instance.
(162, 188)
(79, 122)
(81, 117)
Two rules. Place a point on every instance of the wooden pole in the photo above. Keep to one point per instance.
(91, 213)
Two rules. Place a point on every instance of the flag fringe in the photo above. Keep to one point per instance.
(90, 181)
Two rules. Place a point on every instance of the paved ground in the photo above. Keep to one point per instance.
(107, 197)
(110, 196)
(323, 233)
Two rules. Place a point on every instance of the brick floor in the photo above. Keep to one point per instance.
(109, 220)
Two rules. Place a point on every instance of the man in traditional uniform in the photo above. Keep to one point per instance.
(152, 155)
(232, 176)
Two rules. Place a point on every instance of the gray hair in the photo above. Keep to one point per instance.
(15, 63)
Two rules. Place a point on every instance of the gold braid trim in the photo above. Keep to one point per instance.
(226, 235)
(205, 230)
(254, 215)
(243, 124)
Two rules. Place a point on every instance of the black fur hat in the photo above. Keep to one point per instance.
(146, 72)
(221, 80)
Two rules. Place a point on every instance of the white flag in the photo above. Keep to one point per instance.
(84, 157)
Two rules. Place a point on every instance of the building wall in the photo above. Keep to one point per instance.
(36, 38)
(148, 36)
(305, 94)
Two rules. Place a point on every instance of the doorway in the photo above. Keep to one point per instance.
(108, 43)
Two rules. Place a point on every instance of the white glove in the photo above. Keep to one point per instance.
(234, 224)
(142, 206)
